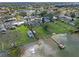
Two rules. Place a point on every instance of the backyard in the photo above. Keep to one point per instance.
(19, 35)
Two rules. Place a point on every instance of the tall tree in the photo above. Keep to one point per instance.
(43, 13)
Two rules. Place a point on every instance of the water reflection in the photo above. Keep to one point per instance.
(72, 46)
(71, 42)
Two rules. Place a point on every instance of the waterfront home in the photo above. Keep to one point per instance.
(65, 18)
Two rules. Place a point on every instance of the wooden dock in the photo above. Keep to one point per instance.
(60, 45)
(51, 40)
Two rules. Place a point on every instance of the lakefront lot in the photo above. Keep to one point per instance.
(20, 36)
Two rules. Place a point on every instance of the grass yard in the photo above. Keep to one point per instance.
(61, 27)
(24, 39)
(57, 27)
(20, 37)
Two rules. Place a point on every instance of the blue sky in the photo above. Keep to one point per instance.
(24, 0)
(39, 0)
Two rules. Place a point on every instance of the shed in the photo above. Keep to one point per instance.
(30, 34)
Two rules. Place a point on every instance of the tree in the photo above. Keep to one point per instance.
(43, 13)
(72, 14)
(18, 17)
(14, 52)
(77, 23)
(50, 15)
(45, 27)
(23, 14)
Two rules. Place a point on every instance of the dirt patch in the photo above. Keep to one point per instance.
(40, 48)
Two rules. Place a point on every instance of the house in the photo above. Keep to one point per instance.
(30, 34)
(54, 18)
(9, 24)
(68, 19)
(7, 18)
(32, 20)
(19, 23)
(77, 14)
(28, 12)
(10, 19)
(3, 11)
(45, 19)
(26, 18)
(65, 18)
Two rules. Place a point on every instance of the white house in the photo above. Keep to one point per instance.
(30, 34)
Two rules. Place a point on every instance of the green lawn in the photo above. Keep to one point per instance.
(60, 27)
(24, 39)
(20, 37)
(57, 27)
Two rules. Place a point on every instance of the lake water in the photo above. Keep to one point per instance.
(72, 47)
(71, 42)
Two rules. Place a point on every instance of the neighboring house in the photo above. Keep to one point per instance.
(9, 24)
(54, 18)
(65, 18)
(7, 18)
(68, 19)
(26, 18)
(45, 19)
(28, 12)
(77, 14)
(3, 11)
(32, 18)
(36, 23)
(19, 23)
